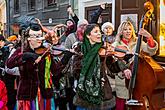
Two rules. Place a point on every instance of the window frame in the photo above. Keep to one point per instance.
(46, 5)
(16, 6)
(30, 7)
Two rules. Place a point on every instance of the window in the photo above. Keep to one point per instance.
(16, 6)
(31, 5)
(51, 2)
(162, 29)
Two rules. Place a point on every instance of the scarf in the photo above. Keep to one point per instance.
(89, 86)
(47, 72)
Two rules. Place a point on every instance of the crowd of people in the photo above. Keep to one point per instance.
(42, 69)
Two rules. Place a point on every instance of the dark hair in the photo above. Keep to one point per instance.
(35, 27)
(89, 28)
(2, 37)
(69, 20)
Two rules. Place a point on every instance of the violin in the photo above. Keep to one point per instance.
(41, 50)
(60, 49)
(56, 52)
(108, 50)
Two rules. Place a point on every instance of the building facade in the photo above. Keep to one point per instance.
(86, 7)
(50, 12)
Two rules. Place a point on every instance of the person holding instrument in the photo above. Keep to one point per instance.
(108, 38)
(35, 76)
(126, 37)
(93, 89)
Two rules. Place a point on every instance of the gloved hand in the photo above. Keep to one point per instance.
(66, 57)
(29, 56)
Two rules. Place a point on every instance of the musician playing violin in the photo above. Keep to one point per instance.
(93, 89)
(34, 75)
(126, 37)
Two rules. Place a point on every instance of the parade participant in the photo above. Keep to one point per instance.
(29, 75)
(16, 29)
(67, 93)
(74, 38)
(12, 39)
(3, 96)
(12, 42)
(28, 82)
(108, 37)
(108, 34)
(71, 23)
(93, 89)
(4, 51)
(6, 78)
(35, 72)
(126, 37)
(78, 35)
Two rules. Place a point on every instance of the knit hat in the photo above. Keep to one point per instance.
(81, 22)
(107, 24)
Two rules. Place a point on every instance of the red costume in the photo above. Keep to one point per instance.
(3, 96)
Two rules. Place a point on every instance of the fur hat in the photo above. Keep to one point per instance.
(107, 24)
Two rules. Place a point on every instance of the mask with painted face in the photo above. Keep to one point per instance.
(35, 36)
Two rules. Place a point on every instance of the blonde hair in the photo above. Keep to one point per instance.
(120, 30)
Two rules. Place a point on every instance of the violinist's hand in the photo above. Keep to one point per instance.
(144, 33)
(127, 73)
(38, 60)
